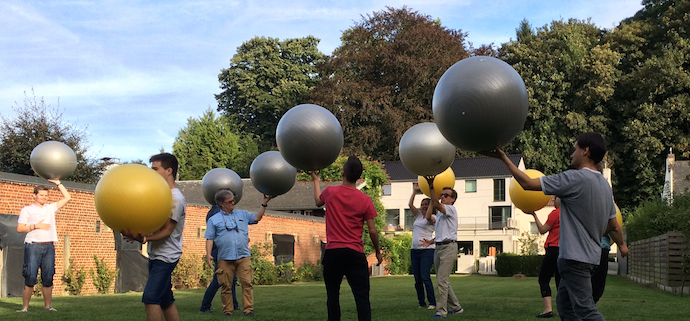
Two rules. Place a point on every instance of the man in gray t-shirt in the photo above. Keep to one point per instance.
(587, 213)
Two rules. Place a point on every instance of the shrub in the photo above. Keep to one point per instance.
(188, 271)
(309, 272)
(529, 244)
(286, 273)
(74, 280)
(509, 264)
(397, 253)
(104, 275)
(265, 272)
(206, 274)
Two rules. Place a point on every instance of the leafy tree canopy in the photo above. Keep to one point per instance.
(36, 122)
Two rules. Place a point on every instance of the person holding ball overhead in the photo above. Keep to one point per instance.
(347, 210)
(38, 222)
(422, 257)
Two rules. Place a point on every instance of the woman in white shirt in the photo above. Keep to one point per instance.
(422, 257)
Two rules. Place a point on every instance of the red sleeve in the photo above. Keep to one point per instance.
(554, 216)
(371, 211)
(324, 194)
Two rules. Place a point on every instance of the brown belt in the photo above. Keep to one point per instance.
(44, 243)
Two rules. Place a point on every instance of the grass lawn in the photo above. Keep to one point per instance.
(392, 298)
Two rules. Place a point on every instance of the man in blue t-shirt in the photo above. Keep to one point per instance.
(214, 286)
(229, 230)
(587, 213)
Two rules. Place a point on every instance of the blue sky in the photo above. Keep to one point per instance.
(133, 72)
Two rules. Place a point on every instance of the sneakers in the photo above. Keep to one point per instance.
(431, 307)
(205, 311)
(50, 308)
(250, 314)
(457, 311)
(23, 310)
(227, 314)
(438, 316)
(545, 315)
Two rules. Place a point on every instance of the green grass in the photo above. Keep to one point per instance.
(392, 298)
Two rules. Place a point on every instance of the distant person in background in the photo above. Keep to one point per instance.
(214, 286)
(549, 264)
(422, 257)
(38, 222)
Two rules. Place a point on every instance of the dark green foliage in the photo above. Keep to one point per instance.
(655, 217)
(104, 276)
(397, 253)
(309, 272)
(266, 273)
(74, 279)
(508, 264)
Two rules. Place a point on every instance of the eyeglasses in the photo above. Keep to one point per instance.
(232, 201)
(445, 195)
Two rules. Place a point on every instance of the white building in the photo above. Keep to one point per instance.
(486, 216)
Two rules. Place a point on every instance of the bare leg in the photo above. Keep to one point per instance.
(153, 312)
(170, 313)
(26, 296)
(47, 295)
(547, 304)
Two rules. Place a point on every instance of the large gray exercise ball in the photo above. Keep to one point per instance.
(480, 103)
(221, 178)
(309, 137)
(271, 174)
(53, 160)
(424, 151)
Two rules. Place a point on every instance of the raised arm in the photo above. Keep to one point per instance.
(429, 215)
(317, 189)
(262, 209)
(66, 197)
(543, 228)
(434, 198)
(413, 209)
(527, 183)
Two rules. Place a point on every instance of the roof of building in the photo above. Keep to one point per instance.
(464, 168)
(681, 176)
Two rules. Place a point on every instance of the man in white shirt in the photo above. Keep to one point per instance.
(38, 222)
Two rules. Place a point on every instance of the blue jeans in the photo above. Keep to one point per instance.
(158, 288)
(422, 259)
(213, 289)
(38, 256)
(574, 298)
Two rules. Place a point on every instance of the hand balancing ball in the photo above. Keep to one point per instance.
(527, 201)
(309, 137)
(221, 178)
(424, 151)
(53, 160)
(271, 174)
(445, 179)
(480, 103)
(133, 197)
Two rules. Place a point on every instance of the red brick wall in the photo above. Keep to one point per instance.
(78, 220)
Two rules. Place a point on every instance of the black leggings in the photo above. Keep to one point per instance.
(548, 269)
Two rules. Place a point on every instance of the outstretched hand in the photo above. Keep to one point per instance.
(430, 180)
(54, 181)
(267, 198)
(314, 176)
(130, 237)
(496, 153)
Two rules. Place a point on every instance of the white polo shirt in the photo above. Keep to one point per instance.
(33, 214)
(447, 224)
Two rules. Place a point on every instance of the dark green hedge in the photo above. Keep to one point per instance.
(508, 264)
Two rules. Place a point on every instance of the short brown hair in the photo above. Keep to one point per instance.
(41, 188)
(453, 193)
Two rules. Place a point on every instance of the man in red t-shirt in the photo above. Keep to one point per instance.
(548, 265)
(347, 209)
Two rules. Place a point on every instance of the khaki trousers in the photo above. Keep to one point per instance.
(225, 272)
(445, 256)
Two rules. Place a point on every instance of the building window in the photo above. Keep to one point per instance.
(283, 248)
(533, 228)
(98, 226)
(486, 246)
(498, 217)
(409, 220)
(392, 219)
(471, 186)
(466, 247)
(499, 190)
(387, 190)
(200, 232)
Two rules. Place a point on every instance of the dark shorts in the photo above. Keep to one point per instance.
(38, 256)
(158, 288)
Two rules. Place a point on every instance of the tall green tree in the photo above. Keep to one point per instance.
(570, 76)
(380, 81)
(652, 100)
(36, 122)
(267, 77)
(210, 142)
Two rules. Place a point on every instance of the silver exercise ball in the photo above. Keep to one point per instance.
(309, 137)
(271, 174)
(480, 103)
(53, 160)
(424, 151)
(221, 178)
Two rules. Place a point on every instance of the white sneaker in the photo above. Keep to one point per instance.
(23, 310)
(431, 307)
(50, 308)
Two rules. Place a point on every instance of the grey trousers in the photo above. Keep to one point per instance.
(574, 298)
(444, 260)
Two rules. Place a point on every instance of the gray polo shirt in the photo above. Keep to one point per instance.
(586, 207)
(169, 249)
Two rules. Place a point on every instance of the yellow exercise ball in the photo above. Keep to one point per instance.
(133, 197)
(528, 201)
(619, 216)
(444, 179)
